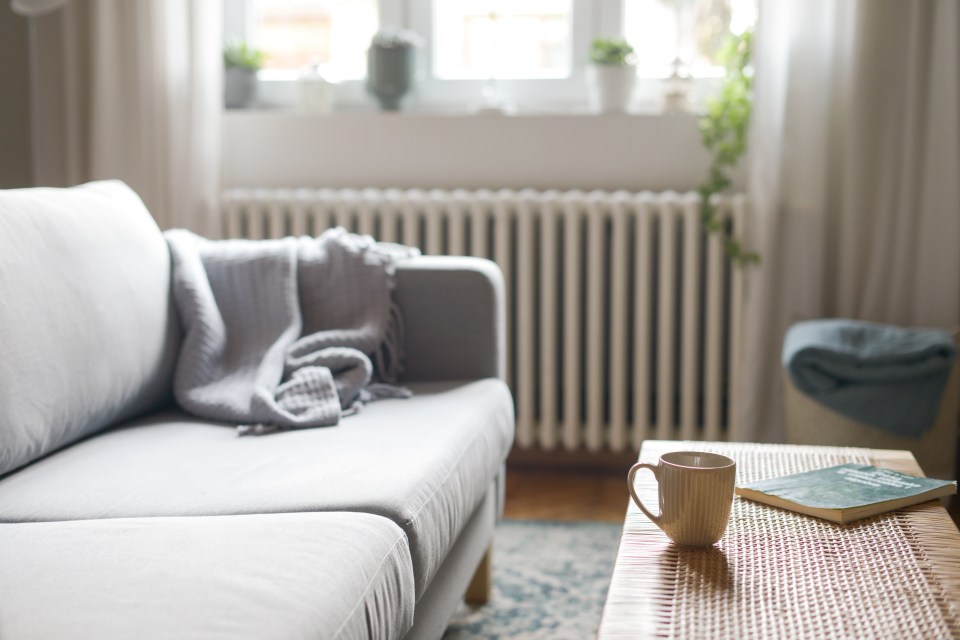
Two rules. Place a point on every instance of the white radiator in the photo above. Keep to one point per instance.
(622, 313)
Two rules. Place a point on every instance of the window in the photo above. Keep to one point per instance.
(533, 51)
(504, 39)
(681, 34)
(331, 33)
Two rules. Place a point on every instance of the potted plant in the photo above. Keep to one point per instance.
(610, 75)
(392, 66)
(241, 63)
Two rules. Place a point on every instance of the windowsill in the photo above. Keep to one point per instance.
(457, 99)
(462, 111)
(450, 148)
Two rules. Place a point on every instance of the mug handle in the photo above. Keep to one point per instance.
(633, 492)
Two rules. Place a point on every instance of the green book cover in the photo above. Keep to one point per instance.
(847, 491)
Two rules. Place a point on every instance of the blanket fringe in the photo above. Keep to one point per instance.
(257, 429)
(388, 357)
(381, 391)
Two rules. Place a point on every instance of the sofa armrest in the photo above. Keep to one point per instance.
(454, 319)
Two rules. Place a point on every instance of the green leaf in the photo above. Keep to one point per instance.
(723, 131)
(237, 53)
(611, 52)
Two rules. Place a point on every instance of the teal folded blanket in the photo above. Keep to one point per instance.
(889, 377)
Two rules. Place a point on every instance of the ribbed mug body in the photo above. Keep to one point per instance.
(695, 502)
(695, 494)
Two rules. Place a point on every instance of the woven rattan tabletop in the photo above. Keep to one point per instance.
(779, 574)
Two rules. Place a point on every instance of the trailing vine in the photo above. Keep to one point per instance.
(723, 130)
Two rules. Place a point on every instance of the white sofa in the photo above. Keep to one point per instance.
(123, 517)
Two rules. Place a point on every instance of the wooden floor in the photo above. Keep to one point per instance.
(566, 494)
(539, 493)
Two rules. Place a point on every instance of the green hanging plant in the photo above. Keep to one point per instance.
(723, 130)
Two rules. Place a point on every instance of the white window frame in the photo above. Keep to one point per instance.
(591, 19)
(537, 93)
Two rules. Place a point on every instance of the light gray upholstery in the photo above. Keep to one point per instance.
(170, 526)
(286, 576)
(443, 597)
(454, 318)
(86, 326)
(423, 462)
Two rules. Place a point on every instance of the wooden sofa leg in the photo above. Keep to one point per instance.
(482, 583)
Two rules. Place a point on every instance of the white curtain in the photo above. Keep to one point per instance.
(854, 178)
(133, 90)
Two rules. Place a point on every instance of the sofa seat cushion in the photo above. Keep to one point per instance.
(423, 462)
(329, 575)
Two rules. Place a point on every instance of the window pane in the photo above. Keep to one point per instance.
(332, 33)
(503, 39)
(662, 31)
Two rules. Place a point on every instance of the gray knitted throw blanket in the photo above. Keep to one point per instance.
(283, 334)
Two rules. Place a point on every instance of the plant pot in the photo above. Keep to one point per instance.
(610, 87)
(239, 87)
(391, 74)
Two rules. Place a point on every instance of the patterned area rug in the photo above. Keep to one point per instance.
(550, 581)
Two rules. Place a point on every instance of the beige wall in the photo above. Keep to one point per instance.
(15, 157)
(279, 148)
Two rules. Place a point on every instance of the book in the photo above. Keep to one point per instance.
(846, 492)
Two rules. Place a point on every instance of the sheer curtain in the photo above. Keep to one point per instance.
(132, 90)
(854, 178)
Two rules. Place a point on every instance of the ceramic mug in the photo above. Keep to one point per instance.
(696, 494)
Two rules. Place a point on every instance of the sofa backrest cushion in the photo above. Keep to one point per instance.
(88, 332)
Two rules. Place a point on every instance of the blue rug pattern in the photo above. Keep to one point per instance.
(550, 582)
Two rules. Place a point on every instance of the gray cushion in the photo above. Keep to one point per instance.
(280, 576)
(424, 463)
(87, 330)
(452, 309)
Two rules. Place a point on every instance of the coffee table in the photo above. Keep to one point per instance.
(779, 574)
